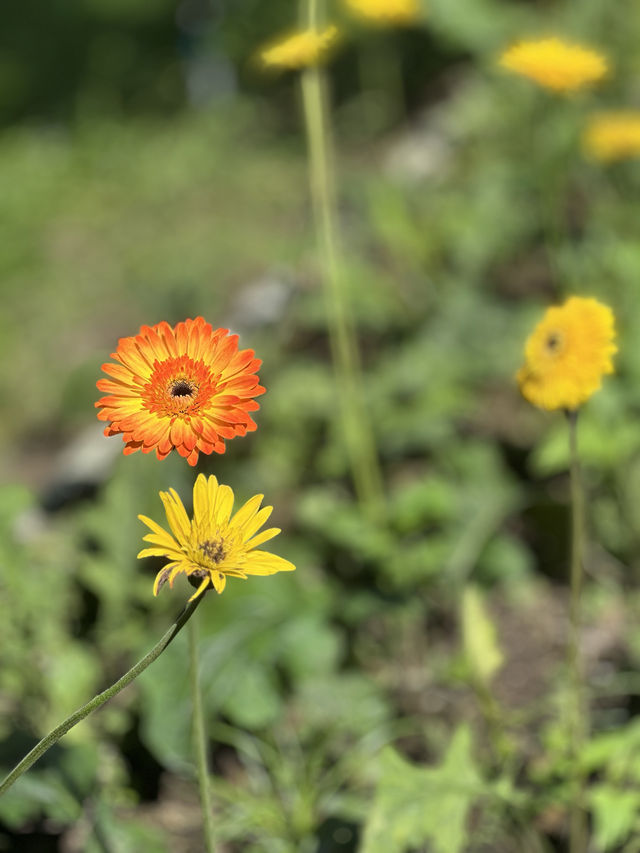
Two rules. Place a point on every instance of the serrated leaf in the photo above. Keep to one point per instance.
(415, 805)
(615, 814)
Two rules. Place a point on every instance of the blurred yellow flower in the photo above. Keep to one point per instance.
(386, 11)
(300, 49)
(567, 354)
(213, 545)
(554, 64)
(613, 135)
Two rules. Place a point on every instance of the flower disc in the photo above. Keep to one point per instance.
(187, 388)
(386, 12)
(555, 64)
(567, 354)
(613, 135)
(213, 545)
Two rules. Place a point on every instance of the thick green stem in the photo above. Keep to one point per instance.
(55, 735)
(358, 436)
(579, 723)
(200, 742)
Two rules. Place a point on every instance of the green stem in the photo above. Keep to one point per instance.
(200, 740)
(358, 436)
(578, 707)
(55, 735)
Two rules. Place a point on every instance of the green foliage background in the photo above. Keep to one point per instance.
(344, 707)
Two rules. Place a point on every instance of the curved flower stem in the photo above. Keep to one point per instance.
(579, 722)
(95, 703)
(200, 740)
(356, 425)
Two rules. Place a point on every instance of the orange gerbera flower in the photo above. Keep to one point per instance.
(187, 388)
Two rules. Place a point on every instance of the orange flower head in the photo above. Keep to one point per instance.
(187, 388)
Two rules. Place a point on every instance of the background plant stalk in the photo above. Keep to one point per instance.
(356, 424)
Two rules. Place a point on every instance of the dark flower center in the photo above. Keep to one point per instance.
(181, 388)
(554, 341)
(213, 550)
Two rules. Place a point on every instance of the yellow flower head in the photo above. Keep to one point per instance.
(567, 354)
(300, 49)
(213, 545)
(386, 11)
(613, 135)
(554, 64)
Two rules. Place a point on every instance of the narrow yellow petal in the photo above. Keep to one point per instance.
(262, 537)
(201, 589)
(224, 505)
(163, 540)
(162, 577)
(200, 499)
(246, 512)
(255, 523)
(176, 516)
(178, 569)
(153, 525)
(219, 581)
(264, 563)
(160, 552)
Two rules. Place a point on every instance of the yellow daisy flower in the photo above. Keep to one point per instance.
(386, 11)
(300, 49)
(613, 135)
(213, 545)
(567, 354)
(555, 64)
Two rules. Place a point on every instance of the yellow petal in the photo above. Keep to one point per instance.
(162, 577)
(262, 537)
(178, 569)
(264, 563)
(201, 589)
(160, 552)
(256, 522)
(164, 541)
(246, 512)
(219, 581)
(176, 516)
(223, 506)
(153, 525)
(200, 499)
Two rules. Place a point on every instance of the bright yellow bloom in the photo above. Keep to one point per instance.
(300, 49)
(386, 11)
(213, 545)
(554, 64)
(567, 354)
(613, 135)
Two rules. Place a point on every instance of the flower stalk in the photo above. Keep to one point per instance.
(200, 743)
(358, 435)
(578, 719)
(99, 700)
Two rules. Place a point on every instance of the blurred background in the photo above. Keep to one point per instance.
(151, 171)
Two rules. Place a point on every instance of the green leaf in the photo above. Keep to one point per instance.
(415, 805)
(615, 814)
(253, 700)
(479, 636)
